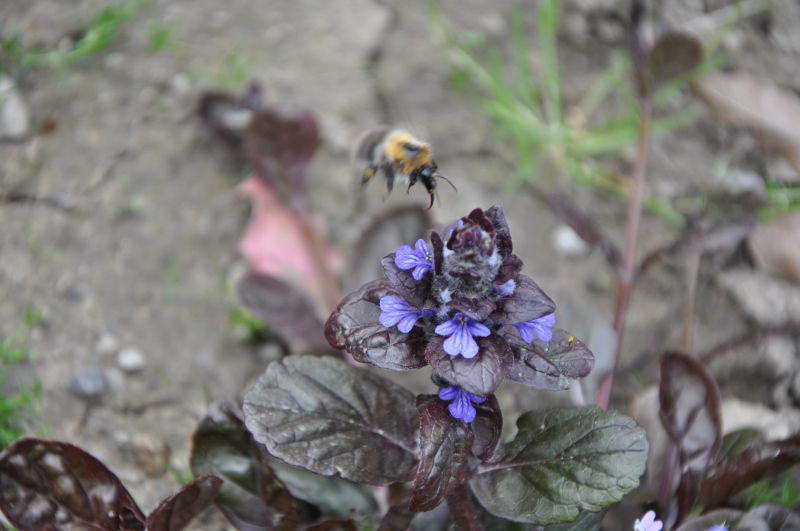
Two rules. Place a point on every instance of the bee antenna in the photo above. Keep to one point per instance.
(439, 175)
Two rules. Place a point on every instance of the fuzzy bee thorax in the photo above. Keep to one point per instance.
(408, 152)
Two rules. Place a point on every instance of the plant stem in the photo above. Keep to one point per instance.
(692, 271)
(462, 510)
(627, 273)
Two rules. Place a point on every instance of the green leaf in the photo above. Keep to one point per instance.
(738, 441)
(547, 27)
(335, 497)
(562, 461)
(334, 419)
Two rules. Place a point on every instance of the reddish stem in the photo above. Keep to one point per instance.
(627, 273)
(463, 512)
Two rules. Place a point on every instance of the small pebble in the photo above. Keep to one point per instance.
(568, 243)
(88, 384)
(15, 122)
(180, 84)
(131, 360)
(107, 344)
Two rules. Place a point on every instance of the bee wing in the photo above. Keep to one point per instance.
(365, 155)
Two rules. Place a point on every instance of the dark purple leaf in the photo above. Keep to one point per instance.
(690, 413)
(728, 478)
(280, 143)
(334, 419)
(486, 428)
(398, 226)
(398, 517)
(510, 268)
(562, 461)
(284, 309)
(252, 497)
(549, 365)
(478, 309)
(480, 375)
(55, 485)
(355, 328)
(343, 524)
(175, 512)
(444, 451)
(415, 292)
(527, 303)
(227, 116)
(674, 55)
(496, 215)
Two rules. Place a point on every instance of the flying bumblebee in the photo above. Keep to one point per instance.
(398, 156)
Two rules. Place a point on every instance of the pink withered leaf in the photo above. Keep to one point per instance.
(278, 243)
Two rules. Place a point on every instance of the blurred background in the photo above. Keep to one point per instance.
(121, 212)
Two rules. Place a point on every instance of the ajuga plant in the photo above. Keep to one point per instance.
(459, 303)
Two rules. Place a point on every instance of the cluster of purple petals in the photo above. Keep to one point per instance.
(474, 268)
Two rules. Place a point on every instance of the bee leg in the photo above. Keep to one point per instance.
(412, 180)
(368, 174)
(388, 170)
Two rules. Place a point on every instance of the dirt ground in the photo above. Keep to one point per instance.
(146, 258)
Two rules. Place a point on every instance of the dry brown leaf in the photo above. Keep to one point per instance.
(771, 112)
(776, 246)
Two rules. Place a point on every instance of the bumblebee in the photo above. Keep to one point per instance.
(398, 156)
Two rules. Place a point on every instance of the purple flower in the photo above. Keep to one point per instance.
(648, 523)
(461, 406)
(460, 331)
(396, 311)
(543, 327)
(419, 259)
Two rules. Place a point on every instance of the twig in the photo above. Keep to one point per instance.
(25, 198)
(627, 274)
(749, 337)
(562, 207)
(692, 270)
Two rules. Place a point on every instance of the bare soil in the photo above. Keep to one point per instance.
(146, 257)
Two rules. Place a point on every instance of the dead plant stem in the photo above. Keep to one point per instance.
(627, 273)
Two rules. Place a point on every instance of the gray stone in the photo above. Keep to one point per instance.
(768, 300)
(107, 344)
(567, 243)
(88, 384)
(776, 246)
(15, 120)
(131, 360)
